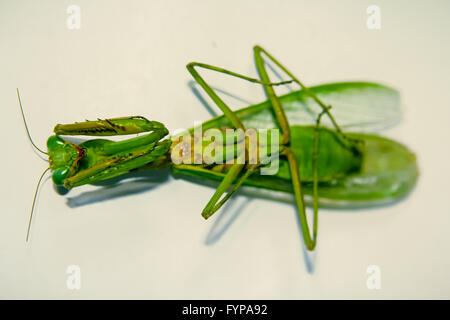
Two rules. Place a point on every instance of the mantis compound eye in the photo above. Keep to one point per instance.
(55, 142)
(59, 175)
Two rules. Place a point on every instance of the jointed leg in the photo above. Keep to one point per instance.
(119, 156)
(118, 164)
(215, 202)
(260, 65)
(299, 199)
(276, 105)
(310, 242)
(235, 121)
(315, 167)
(141, 141)
(109, 127)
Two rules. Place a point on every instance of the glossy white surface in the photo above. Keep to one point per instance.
(129, 58)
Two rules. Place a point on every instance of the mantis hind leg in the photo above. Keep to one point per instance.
(258, 52)
(310, 242)
(283, 122)
(235, 121)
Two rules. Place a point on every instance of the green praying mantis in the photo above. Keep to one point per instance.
(315, 160)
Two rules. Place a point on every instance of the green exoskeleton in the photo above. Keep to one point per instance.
(317, 160)
(100, 159)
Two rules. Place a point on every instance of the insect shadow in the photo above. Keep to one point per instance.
(232, 210)
(226, 219)
(132, 183)
(193, 86)
(229, 214)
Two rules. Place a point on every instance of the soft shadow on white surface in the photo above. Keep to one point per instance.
(214, 112)
(130, 58)
(230, 212)
(227, 215)
(125, 185)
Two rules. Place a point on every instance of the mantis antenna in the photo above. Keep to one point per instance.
(25, 123)
(42, 175)
(34, 201)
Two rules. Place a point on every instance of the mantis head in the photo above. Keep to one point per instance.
(63, 157)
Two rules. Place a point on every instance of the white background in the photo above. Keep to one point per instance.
(129, 58)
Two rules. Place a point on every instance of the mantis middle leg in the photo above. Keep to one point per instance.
(231, 177)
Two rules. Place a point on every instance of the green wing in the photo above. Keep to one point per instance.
(389, 171)
(356, 106)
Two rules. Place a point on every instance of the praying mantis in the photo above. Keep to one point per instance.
(333, 167)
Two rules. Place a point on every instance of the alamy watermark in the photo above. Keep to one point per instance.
(374, 17)
(73, 281)
(74, 19)
(374, 280)
(228, 146)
